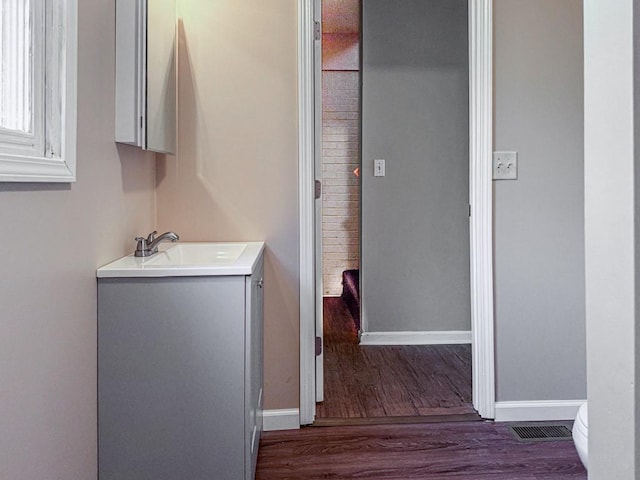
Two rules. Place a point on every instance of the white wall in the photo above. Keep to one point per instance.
(52, 239)
(340, 141)
(340, 186)
(612, 139)
(539, 226)
(235, 176)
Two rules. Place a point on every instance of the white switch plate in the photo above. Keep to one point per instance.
(505, 165)
(379, 168)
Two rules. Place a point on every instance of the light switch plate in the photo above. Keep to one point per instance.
(505, 165)
(379, 169)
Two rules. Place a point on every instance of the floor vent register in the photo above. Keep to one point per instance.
(541, 433)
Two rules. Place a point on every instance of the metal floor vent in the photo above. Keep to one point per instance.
(541, 433)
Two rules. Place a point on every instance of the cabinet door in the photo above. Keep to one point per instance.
(171, 386)
(254, 362)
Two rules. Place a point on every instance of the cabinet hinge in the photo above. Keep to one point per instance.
(318, 189)
(318, 346)
(317, 30)
(469, 210)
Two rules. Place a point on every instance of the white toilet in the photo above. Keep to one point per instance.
(581, 434)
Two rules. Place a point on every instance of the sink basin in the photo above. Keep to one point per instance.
(198, 254)
(188, 259)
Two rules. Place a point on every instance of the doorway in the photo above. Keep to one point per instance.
(480, 199)
(395, 82)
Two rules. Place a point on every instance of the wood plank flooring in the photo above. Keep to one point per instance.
(389, 381)
(469, 450)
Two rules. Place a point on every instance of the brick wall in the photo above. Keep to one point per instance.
(341, 188)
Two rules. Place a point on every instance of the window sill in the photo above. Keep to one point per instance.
(34, 169)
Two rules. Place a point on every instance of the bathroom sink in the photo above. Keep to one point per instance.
(188, 259)
(198, 254)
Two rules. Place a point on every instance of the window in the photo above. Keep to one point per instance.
(37, 90)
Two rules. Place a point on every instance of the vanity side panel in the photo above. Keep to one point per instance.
(254, 360)
(171, 378)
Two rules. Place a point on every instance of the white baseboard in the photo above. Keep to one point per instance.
(415, 338)
(537, 410)
(283, 419)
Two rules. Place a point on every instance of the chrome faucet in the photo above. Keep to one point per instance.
(148, 246)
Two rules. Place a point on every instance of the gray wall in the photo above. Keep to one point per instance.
(539, 227)
(53, 238)
(415, 225)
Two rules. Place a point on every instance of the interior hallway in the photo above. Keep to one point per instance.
(365, 384)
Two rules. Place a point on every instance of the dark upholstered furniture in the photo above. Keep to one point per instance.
(351, 293)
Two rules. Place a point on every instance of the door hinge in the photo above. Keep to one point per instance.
(318, 189)
(469, 210)
(318, 346)
(317, 30)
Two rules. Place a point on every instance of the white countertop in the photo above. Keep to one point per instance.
(188, 259)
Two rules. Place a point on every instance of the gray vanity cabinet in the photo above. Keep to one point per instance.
(180, 377)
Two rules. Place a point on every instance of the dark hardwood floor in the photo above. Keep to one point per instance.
(468, 450)
(375, 382)
(403, 386)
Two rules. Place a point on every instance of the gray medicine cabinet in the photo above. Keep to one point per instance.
(146, 83)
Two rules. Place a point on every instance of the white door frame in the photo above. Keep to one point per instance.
(480, 198)
(317, 69)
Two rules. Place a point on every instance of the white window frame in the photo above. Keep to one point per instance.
(48, 154)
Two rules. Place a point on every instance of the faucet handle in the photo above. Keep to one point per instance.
(152, 236)
(142, 243)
